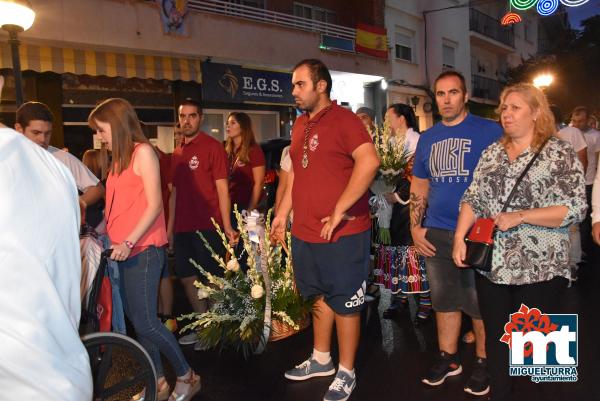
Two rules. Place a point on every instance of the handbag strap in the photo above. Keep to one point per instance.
(525, 170)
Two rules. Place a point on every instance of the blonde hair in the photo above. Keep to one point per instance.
(97, 161)
(125, 130)
(544, 125)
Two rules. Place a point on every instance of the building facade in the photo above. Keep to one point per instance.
(81, 51)
(237, 55)
(430, 36)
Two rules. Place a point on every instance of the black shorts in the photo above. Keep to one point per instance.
(452, 288)
(337, 271)
(189, 245)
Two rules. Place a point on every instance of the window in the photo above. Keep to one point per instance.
(448, 54)
(404, 44)
(300, 10)
(314, 13)
(250, 3)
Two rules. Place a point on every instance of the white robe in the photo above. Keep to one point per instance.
(41, 355)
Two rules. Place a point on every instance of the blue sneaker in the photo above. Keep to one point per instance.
(310, 368)
(341, 388)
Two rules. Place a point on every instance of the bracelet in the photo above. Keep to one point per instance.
(128, 244)
(522, 218)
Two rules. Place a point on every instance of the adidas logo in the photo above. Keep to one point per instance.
(358, 298)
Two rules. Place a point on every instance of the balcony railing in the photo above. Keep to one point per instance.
(490, 27)
(486, 88)
(271, 17)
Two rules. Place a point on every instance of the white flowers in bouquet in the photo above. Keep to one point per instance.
(233, 265)
(257, 291)
(393, 155)
(393, 159)
(202, 293)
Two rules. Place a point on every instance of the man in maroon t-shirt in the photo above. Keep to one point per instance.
(200, 191)
(333, 164)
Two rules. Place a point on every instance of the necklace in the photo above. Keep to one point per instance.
(233, 164)
(307, 131)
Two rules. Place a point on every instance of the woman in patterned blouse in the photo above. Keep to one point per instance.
(530, 263)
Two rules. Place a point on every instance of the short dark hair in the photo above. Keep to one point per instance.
(452, 73)
(32, 111)
(581, 109)
(192, 102)
(318, 72)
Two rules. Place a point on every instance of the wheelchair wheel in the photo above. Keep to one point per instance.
(121, 367)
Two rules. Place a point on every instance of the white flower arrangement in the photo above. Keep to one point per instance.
(238, 300)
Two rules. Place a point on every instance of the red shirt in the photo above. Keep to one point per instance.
(241, 179)
(125, 204)
(317, 188)
(195, 166)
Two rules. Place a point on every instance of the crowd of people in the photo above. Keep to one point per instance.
(149, 204)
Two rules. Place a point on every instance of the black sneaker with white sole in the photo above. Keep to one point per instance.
(446, 365)
(479, 382)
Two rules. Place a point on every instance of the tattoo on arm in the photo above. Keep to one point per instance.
(418, 205)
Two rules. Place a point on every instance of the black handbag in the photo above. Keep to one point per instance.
(480, 244)
(480, 240)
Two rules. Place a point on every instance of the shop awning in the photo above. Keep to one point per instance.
(62, 60)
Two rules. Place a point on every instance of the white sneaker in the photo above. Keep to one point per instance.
(341, 388)
(189, 339)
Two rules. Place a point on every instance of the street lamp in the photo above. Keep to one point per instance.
(543, 81)
(16, 16)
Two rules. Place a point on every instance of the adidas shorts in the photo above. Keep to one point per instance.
(337, 271)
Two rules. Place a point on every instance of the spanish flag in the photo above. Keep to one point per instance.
(371, 40)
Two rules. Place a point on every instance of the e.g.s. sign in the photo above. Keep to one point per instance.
(229, 83)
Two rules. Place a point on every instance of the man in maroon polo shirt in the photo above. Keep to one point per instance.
(200, 191)
(333, 164)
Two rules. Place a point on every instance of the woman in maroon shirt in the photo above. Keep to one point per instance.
(246, 162)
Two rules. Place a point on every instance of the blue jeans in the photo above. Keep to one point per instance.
(140, 276)
(118, 318)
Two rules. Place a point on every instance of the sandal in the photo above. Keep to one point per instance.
(162, 394)
(194, 381)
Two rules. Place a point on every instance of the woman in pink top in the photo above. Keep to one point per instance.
(135, 223)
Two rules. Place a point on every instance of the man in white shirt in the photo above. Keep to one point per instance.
(575, 138)
(34, 120)
(41, 355)
(579, 119)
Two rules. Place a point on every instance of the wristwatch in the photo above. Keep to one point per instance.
(128, 244)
